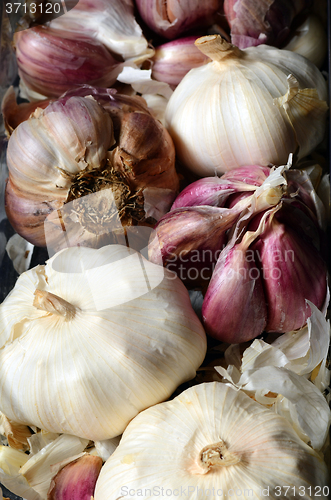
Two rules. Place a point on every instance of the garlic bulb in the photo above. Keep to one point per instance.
(212, 440)
(253, 112)
(252, 242)
(98, 150)
(92, 338)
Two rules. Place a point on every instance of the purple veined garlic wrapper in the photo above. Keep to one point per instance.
(172, 18)
(293, 272)
(52, 61)
(264, 22)
(216, 191)
(76, 480)
(234, 306)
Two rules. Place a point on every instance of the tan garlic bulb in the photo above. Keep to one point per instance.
(84, 162)
(92, 338)
(212, 441)
(247, 107)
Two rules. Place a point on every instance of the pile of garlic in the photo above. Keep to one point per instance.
(105, 387)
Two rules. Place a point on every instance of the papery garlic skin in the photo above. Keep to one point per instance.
(111, 22)
(236, 122)
(210, 438)
(130, 339)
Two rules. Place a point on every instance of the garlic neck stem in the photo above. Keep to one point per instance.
(215, 47)
(217, 455)
(53, 304)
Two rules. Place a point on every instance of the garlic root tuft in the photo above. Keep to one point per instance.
(217, 455)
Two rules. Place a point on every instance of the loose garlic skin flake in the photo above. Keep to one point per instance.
(211, 438)
(87, 342)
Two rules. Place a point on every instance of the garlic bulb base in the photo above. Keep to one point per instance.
(217, 455)
(53, 304)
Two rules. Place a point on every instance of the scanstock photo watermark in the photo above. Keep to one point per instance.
(275, 491)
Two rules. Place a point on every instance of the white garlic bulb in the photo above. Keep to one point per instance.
(92, 338)
(211, 441)
(247, 107)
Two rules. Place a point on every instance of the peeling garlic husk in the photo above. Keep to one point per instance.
(273, 101)
(87, 342)
(211, 438)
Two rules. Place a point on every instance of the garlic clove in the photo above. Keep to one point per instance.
(234, 308)
(53, 61)
(254, 175)
(309, 40)
(145, 153)
(211, 191)
(174, 59)
(190, 240)
(171, 18)
(265, 22)
(292, 275)
(27, 215)
(76, 480)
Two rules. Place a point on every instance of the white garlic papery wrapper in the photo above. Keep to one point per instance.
(92, 338)
(252, 106)
(211, 438)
